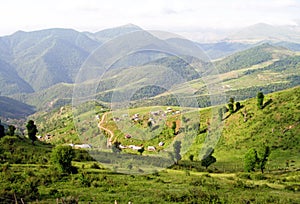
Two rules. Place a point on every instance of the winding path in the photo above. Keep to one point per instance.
(109, 140)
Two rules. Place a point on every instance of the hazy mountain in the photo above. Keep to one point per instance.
(40, 67)
(222, 49)
(250, 57)
(11, 82)
(111, 33)
(290, 45)
(10, 108)
(261, 32)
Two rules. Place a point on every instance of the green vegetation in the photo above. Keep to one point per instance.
(247, 58)
(27, 173)
(62, 157)
(2, 131)
(31, 131)
(251, 160)
(260, 100)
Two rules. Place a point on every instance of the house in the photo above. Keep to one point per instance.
(161, 144)
(83, 146)
(155, 113)
(151, 148)
(136, 117)
(116, 119)
(134, 147)
(122, 146)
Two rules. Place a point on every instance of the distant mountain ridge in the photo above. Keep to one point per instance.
(41, 59)
(40, 67)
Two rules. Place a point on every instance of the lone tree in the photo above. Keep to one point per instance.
(208, 159)
(263, 160)
(116, 147)
(31, 130)
(11, 130)
(2, 133)
(237, 106)
(62, 157)
(260, 99)
(177, 149)
(141, 150)
(251, 160)
(174, 127)
(231, 108)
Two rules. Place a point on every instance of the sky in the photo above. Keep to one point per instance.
(180, 16)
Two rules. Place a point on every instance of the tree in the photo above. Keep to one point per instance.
(231, 107)
(263, 160)
(177, 148)
(11, 130)
(141, 150)
(231, 100)
(116, 147)
(237, 106)
(260, 99)
(31, 130)
(208, 159)
(251, 160)
(2, 133)
(62, 157)
(174, 127)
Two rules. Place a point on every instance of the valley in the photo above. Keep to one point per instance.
(126, 115)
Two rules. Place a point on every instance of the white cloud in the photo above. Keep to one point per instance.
(172, 15)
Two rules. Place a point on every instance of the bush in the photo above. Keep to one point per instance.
(95, 166)
(62, 159)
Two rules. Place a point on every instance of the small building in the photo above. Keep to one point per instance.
(161, 144)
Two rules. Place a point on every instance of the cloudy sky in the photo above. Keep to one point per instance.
(180, 16)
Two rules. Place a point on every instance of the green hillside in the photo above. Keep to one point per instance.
(277, 125)
(31, 176)
(11, 82)
(10, 108)
(250, 57)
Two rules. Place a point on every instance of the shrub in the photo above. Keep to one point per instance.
(95, 166)
(62, 159)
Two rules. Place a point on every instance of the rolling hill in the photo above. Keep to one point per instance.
(276, 125)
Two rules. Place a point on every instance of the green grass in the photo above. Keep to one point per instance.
(168, 186)
(276, 125)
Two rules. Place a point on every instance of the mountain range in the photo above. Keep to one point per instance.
(40, 67)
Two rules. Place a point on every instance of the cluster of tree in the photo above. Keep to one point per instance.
(231, 105)
(253, 160)
(11, 130)
(62, 157)
(147, 92)
(31, 130)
